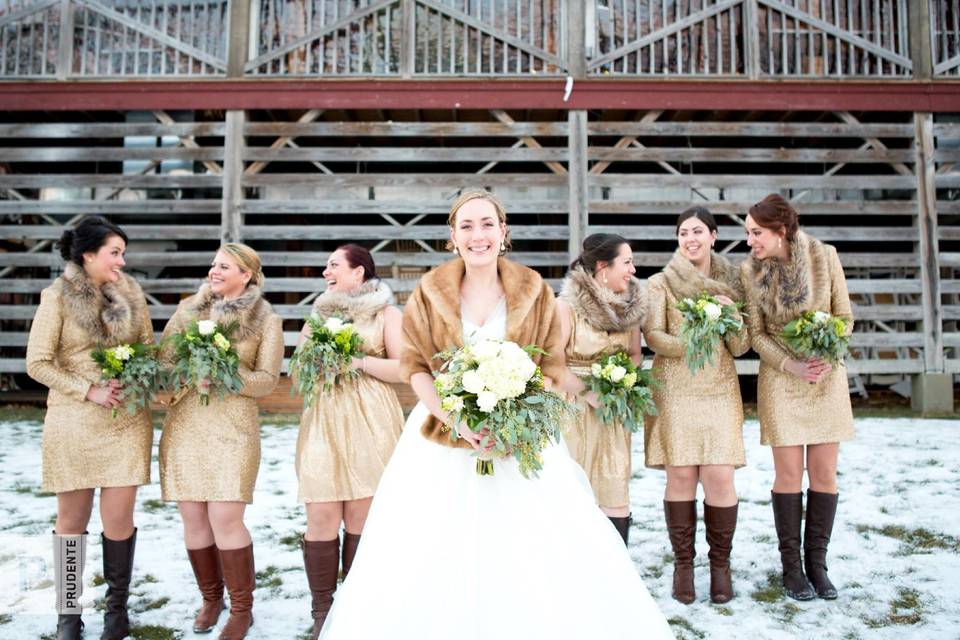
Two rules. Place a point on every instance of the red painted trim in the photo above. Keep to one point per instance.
(735, 95)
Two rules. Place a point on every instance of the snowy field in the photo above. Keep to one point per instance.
(895, 554)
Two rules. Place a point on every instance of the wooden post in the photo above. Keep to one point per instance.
(576, 39)
(238, 48)
(65, 54)
(408, 38)
(921, 39)
(238, 42)
(751, 32)
(928, 246)
(578, 180)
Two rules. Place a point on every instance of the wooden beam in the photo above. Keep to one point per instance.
(578, 181)
(929, 244)
(408, 38)
(65, 53)
(921, 40)
(231, 214)
(576, 41)
(238, 41)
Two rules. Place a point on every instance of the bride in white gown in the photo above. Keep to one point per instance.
(447, 553)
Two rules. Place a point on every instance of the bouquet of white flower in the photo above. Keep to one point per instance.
(624, 390)
(204, 358)
(818, 334)
(136, 367)
(705, 323)
(323, 360)
(495, 388)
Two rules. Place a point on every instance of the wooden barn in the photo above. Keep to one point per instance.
(296, 125)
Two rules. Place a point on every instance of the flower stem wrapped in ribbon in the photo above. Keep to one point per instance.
(323, 360)
(136, 367)
(205, 359)
(496, 389)
(625, 391)
(706, 322)
(817, 334)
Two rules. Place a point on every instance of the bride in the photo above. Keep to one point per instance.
(447, 553)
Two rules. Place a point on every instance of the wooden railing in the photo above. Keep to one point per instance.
(429, 38)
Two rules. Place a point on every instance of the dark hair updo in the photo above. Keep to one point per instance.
(358, 256)
(87, 237)
(700, 213)
(776, 214)
(598, 247)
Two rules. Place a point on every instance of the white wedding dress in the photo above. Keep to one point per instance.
(449, 555)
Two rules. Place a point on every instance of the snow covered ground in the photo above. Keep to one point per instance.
(895, 555)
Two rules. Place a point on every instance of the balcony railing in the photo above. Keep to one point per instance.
(758, 39)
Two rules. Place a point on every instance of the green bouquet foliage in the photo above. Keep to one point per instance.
(203, 353)
(625, 391)
(136, 367)
(817, 334)
(705, 324)
(323, 360)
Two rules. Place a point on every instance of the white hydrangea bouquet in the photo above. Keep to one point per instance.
(705, 324)
(624, 390)
(323, 359)
(204, 358)
(136, 367)
(496, 389)
(817, 334)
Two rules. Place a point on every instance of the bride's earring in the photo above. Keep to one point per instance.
(454, 250)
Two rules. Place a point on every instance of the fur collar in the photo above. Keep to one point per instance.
(358, 305)
(249, 311)
(782, 288)
(600, 307)
(111, 314)
(686, 281)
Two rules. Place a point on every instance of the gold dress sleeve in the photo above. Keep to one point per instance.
(146, 329)
(839, 296)
(655, 329)
(738, 343)
(768, 350)
(43, 345)
(263, 378)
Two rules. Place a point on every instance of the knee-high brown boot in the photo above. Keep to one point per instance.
(240, 578)
(350, 543)
(821, 511)
(321, 559)
(209, 575)
(682, 526)
(721, 524)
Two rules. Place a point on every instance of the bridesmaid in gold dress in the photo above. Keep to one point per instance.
(697, 434)
(803, 403)
(601, 307)
(348, 433)
(209, 455)
(93, 304)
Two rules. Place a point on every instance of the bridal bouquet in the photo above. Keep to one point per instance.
(817, 334)
(625, 391)
(495, 388)
(204, 358)
(323, 360)
(705, 323)
(136, 367)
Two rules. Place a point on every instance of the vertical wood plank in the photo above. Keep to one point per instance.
(238, 44)
(928, 244)
(751, 32)
(65, 55)
(231, 219)
(577, 179)
(576, 40)
(408, 37)
(921, 42)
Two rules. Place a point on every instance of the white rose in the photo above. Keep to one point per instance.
(444, 382)
(333, 324)
(712, 311)
(486, 401)
(485, 350)
(123, 352)
(452, 404)
(617, 374)
(821, 316)
(596, 370)
(472, 382)
(206, 327)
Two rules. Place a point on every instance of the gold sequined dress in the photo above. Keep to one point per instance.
(212, 453)
(699, 416)
(601, 324)
(793, 411)
(83, 445)
(348, 433)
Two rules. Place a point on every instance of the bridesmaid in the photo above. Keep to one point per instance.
(347, 434)
(803, 403)
(697, 435)
(209, 455)
(601, 306)
(93, 304)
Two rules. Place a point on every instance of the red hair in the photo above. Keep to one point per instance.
(358, 256)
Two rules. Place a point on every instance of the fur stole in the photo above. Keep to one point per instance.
(250, 311)
(686, 281)
(359, 305)
(781, 289)
(111, 314)
(600, 307)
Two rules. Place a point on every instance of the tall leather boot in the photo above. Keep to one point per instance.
(721, 524)
(350, 543)
(821, 511)
(209, 575)
(69, 558)
(117, 569)
(787, 512)
(681, 520)
(622, 525)
(240, 578)
(321, 559)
